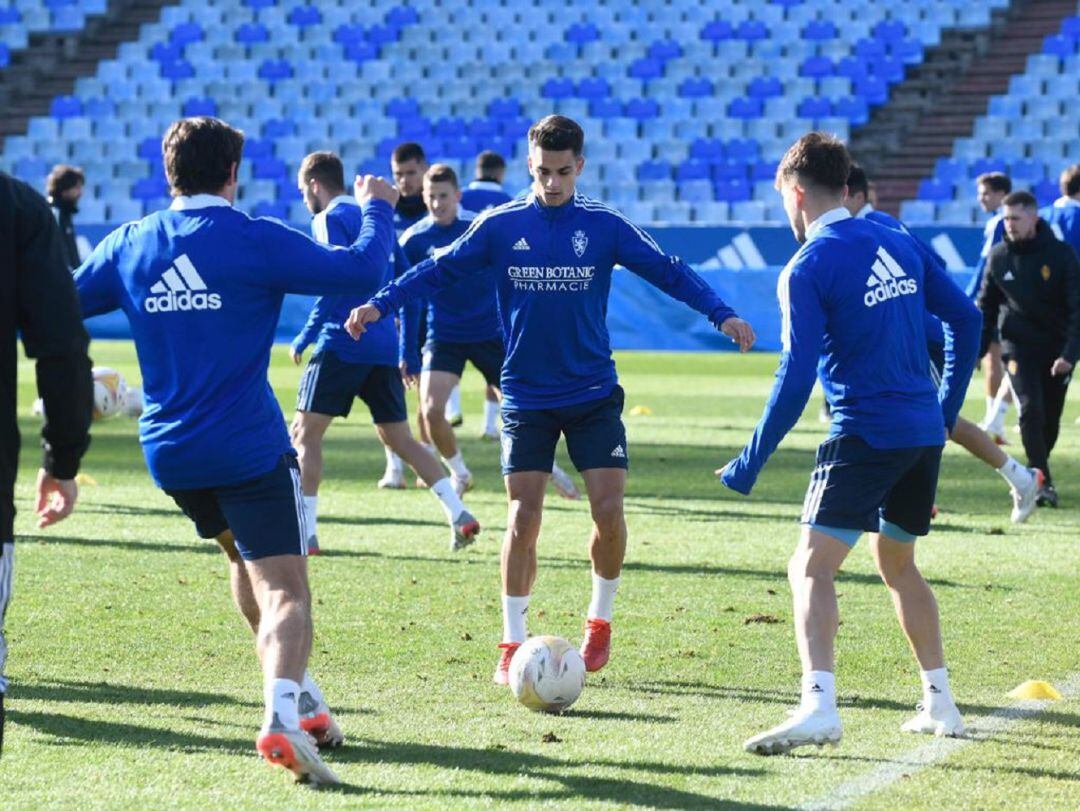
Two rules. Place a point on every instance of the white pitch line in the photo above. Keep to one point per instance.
(980, 728)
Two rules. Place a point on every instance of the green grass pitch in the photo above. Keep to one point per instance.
(134, 683)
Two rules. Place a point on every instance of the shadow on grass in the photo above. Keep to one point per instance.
(612, 715)
(85, 692)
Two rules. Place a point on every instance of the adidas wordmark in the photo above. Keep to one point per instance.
(887, 281)
(181, 289)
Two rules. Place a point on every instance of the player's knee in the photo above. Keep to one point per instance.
(607, 513)
(524, 520)
(894, 569)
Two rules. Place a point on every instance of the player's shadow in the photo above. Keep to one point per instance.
(615, 789)
(613, 715)
(87, 692)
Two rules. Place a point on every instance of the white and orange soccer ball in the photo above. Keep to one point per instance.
(547, 674)
(109, 392)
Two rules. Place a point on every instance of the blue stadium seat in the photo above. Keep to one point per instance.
(752, 31)
(251, 33)
(581, 33)
(1059, 46)
(917, 212)
(654, 170)
(935, 190)
(853, 108)
(646, 68)
(695, 87)
(745, 108)
(717, 31)
(951, 170)
(593, 88)
(814, 107)
(186, 33)
(889, 31)
(764, 87)
(605, 108)
(642, 109)
(65, 107)
(819, 30)
(816, 67)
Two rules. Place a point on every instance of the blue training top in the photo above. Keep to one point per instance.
(552, 266)
(480, 195)
(1063, 217)
(202, 285)
(993, 233)
(852, 301)
(339, 224)
(467, 312)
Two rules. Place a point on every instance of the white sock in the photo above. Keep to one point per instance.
(280, 696)
(308, 685)
(451, 502)
(603, 598)
(991, 411)
(394, 465)
(457, 465)
(453, 402)
(935, 688)
(819, 691)
(491, 417)
(311, 507)
(1002, 409)
(514, 611)
(1015, 474)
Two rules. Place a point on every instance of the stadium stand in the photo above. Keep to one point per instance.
(687, 106)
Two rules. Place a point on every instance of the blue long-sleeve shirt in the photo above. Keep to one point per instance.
(202, 285)
(340, 224)
(468, 311)
(1063, 217)
(552, 269)
(480, 195)
(993, 233)
(852, 301)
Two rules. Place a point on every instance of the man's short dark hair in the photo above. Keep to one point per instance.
(441, 173)
(409, 151)
(326, 168)
(995, 181)
(557, 133)
(63, 178)
(199, 154)
(1024, 199)
(817, 160)
(489, 164)
(1070, 181)
(858, 182)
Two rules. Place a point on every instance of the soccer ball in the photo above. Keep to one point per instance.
(133, 404)
(109, 390)
(547, 674)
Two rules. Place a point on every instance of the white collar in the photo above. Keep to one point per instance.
(486, 185)
(862, 212)
(340, 200)
(828, 218)
(187, 203)
(1066, 202)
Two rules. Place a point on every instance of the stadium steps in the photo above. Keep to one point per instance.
(51, 63)
(942, 98)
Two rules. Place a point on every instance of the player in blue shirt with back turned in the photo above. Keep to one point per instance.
(852, 303)
(202, 285)
(1063, 216)
(341, 370)
(550, 257)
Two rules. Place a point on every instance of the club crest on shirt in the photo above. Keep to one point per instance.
(1045, 273)
(580, 243)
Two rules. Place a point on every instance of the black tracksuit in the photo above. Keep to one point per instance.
(1031, 293)
(38, 301)
(65, 217)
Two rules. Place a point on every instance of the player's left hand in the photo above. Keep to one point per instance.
(359, 318)
(1060, 368)
(295, 356)
(55, 499)
(407, 378)
(740, 332)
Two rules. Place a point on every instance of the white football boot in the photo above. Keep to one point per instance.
(294, 750)
(1026, 500)
(803, 728)
(316, 721)
(944, 722)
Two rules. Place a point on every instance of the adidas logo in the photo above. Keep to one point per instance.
(181, 289)
(934, 689)
(817, 689)
(522, 245)
(887, 281)
(618, 453)
(1008, 277)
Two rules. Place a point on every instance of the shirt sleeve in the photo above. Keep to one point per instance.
(466, 256)
(319, 315)
(409, 317)
(962, 325)
(97, 280)
(53, 334)
(295, 263)
(639, 253)
(803, 320)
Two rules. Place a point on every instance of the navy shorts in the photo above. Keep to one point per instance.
(594, 431)
(330, 385)
(265, 514)
(446, 356)
(858, 488)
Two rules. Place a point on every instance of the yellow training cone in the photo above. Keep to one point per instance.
(85, 479)
(641, 411)
(1037, 690)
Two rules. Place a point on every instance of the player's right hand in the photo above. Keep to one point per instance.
(295, 356)
(55, 498)
(408, 379)
(369, 187)
(359, 318)
(740, 332)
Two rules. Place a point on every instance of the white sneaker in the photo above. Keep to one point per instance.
(1025, 501)
(492, 434)
(392, 480)
(294, 749)
(316, 721)
(945, 722)
(802, 729)
(462, 484)
(995, 428)
(563, 484)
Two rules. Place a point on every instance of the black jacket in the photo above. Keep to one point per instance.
(1031, 293)
(65, 214)
(38, 300)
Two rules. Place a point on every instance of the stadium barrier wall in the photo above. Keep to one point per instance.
(742, 265)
